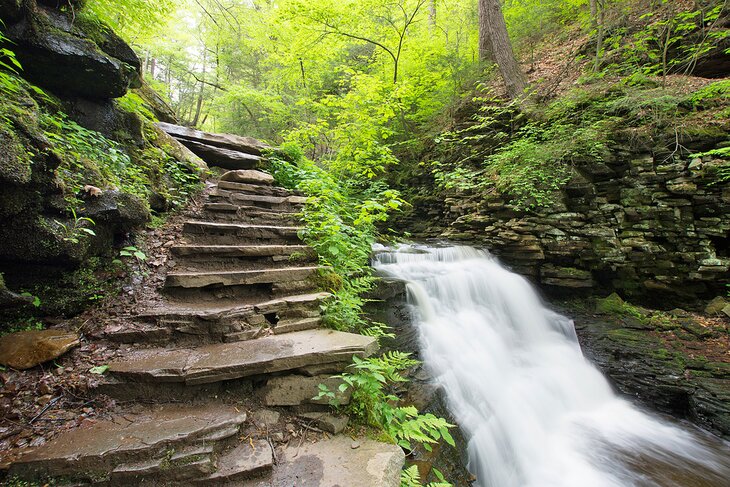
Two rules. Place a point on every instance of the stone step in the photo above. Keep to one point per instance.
(184, 466)
(211, 233)
(246, 461)
(195, 258)
(229, 213)
(242, 251)
(290, 326)
(239, 278)
(215, 323)
(227, 361)
(254, 189)
(248, 176)
(260, 201)
(138, 441)
(335, 461)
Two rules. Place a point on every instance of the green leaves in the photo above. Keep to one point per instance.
(372, 403)
(100, 370)
(340, 220)
(131, 251)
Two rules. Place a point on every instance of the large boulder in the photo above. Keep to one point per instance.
(119, 211)
(26, 349)
(58, 54)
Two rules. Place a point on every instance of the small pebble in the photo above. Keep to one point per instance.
(355, 445)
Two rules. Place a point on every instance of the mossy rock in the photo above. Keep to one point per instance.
(54, 57)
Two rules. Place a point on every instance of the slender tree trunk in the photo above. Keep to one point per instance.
(597, 17)
(431, 15)
(494, 45)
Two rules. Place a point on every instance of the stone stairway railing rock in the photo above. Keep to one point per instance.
(239, 317)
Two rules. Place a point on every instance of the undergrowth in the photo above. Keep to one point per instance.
(531, 161)
(340, 224)
(374, 404)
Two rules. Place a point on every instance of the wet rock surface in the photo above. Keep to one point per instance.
(676, 365)
(334, 463)
(26, 349)
(58, 55)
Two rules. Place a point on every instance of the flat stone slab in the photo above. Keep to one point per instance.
(278, 305)
(238, 278)
(26, 349)
(243, 462)
(107, 444)
(225, 361)
(226, 141)
(240, 250)
(220, 312)
(257, 189)
(222, 157)
(248, 176)
(327, 422)
(294, 390)
(334, 463)
(240, 229)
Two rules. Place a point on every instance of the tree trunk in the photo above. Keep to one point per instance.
(494, 45)
(486, 49)
(597, 12)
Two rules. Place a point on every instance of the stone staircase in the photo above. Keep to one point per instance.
(235, 331)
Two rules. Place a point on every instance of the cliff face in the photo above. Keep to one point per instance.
(644, 222)
(82, 164)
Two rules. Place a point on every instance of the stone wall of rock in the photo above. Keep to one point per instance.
(71, 70)
(646, 225)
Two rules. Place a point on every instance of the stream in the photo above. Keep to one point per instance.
(534, 411)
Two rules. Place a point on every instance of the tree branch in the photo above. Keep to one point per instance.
(203, 81)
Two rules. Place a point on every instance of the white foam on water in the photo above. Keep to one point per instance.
(536, 413)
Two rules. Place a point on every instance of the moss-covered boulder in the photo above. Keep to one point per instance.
(59, 55)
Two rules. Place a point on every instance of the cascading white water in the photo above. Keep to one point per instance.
(536, 413)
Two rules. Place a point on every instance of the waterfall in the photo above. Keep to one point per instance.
(535, 412)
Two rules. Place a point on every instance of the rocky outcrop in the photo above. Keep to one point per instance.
(58, 120)
(26, 349)
(646, 224)
(676, 367)
(57, 53)
(222, 150)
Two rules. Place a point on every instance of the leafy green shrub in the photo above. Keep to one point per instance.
(9, 65)
(715, 94)
(373, 404)
(90, 158)
(340, 224)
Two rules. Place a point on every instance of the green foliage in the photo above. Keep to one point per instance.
(712, 95)
(133, 103)
(340, 224)
(22, 324)
(9, 65)
(132, 19)
(77, 228)
(373, 404)
(90, 158)
(534, 168)
(131, 251)
(671, 39)
(99, 370)
(411, 478)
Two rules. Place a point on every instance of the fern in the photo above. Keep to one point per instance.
(375, 405)
(410, 477)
